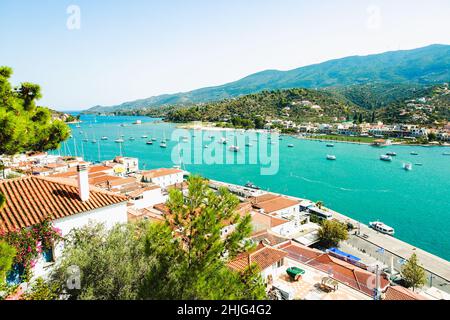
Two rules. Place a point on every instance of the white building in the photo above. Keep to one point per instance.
(68, 204)
(163, 177)
(276, 205)
(147, 197)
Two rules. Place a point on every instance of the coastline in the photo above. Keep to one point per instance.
(195, 126)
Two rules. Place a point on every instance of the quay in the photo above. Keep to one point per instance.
(388, 250)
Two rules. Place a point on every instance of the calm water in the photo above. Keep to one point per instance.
(416, 203)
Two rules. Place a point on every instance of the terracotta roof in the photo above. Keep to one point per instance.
(262, 222)
(31, 200)
(400, 293)
(349, 274)
(272, 239)
(271, 202)
(161, 172)
(55, 165)
(264, 256)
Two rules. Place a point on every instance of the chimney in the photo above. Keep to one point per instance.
(83, 182)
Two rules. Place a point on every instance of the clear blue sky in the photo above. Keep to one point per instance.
(132, 49)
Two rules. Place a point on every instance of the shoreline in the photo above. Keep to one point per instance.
(212, 128)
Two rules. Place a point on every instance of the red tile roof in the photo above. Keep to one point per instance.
(400, 293)
(272, 202)
(161, 172)
(264, 256)
(31, 200)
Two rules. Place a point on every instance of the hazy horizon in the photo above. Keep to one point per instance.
(136, 49)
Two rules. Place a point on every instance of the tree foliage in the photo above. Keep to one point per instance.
(182, 258)
(7, 255)
(413, 273)
(25, 126)
(332, 232)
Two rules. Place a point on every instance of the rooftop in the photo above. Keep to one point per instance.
(272, 203)
(160, 172)
(264, 256)
(31, 200)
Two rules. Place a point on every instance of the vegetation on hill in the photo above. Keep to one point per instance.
(427, 65)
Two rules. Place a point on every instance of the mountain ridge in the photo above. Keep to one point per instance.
(425, 65)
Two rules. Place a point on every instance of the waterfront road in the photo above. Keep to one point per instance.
(387, 244)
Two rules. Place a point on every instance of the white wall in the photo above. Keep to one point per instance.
(150, 198)
(167, 180)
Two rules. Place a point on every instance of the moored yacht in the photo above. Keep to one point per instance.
(414, 153)
(252, 186)
(330, 145)
(149, 142)
(331, 157)
(381, 227)
(120, 140)
(104, 138)
(392, 154)
(290, 145)
(385, 157)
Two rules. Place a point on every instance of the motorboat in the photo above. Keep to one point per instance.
(120, 140)
(290, 145)
(381, 227)
(149, 142)
(252, 186)
(132, 139)
(407, 166)
(385, 157)
(144, 136)
(392, 154)
(330, 145)
(104, 138)
(413, 153)
(331, 157)
(446, 154)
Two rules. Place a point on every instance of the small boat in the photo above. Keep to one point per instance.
(252, 186)
(153, 139)
(248, 144)
(407, 166)
(163, 144)
(381, 227)
(413, 153)
(94, 141)
(234, 148)
(385, 157)
(223, 141)
(144, 137)
(206, 146)
(392, 154)
(331, 157)
(418, 164)
(120, 140)
(132, 139)
(137, 122)
(446, 154)
(149, 142)
(104, 138)
(290, 145)
(330, 145)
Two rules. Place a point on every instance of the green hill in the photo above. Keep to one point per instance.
(405, 69)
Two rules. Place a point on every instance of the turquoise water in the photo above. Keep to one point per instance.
(416, 203)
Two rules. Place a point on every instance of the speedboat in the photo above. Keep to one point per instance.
(407, 166)
(381, 227)
(385, 157)
(331, 157)
(392, 154)
(252, 186)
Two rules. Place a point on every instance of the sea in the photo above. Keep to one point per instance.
(357, 184)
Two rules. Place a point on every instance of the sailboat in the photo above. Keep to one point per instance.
(234, 147)
(94, 140)
(119, 140)
(163, 143)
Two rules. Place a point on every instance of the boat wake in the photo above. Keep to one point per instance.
(339, 188)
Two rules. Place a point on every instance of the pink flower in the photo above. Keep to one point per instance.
(32, 263)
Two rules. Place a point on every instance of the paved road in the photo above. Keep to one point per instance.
(430, 262)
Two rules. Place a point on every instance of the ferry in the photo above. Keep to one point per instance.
(392, 154)
(381, 227)
(385, 157)
(252, 186)
(407, 166)
(330, 145)
(331, 157)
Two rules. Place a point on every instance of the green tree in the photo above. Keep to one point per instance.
(7, 255)
(25, 126)
(332, 232)
(42, 290)
(413, 273)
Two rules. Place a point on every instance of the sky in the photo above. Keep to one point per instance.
(86, 53)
